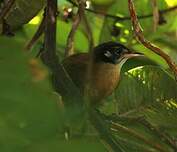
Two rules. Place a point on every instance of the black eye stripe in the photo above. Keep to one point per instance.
(117, 52)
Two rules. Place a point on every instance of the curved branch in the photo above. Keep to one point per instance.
(70, 40)
(139, 34)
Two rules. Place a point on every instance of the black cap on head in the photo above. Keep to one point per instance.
(110, 52)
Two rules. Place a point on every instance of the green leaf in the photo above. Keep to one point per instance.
(144, 86)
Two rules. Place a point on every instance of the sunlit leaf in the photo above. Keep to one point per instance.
(23, 11)
(144, 86)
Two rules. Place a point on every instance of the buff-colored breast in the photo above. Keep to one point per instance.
(104, 79)
(101, 81)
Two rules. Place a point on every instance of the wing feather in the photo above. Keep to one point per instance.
(76, 67)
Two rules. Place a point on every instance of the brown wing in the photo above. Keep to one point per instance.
(76, 66)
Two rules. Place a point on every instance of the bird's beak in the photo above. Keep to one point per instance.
(132, 54)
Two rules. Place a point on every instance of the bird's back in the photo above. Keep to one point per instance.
(76, 66)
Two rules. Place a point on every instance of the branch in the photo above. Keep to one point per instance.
(118, 18)
(61, 81)
(155, 14)
(75, 25)
(6, 29)
(6, 9)
(89, 33)
(49, 54)
(139, 34)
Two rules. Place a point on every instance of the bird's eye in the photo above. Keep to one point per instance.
(108, 54)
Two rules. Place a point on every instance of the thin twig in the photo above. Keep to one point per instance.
(89, 33)
(118, 18)
(139, 34)
(70, 41)
(37, 35)
(155, 14)
(117, 118)
(6, 9)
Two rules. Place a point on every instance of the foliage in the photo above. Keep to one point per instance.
(144, 104)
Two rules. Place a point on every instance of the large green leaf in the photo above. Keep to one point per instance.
(144, 86)
(30, 117)
(145, 104)
(22, 12)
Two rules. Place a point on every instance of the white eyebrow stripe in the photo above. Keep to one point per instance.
(108, 54)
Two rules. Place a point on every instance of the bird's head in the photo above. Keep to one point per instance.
(113, 53)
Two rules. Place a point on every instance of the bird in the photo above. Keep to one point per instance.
(106, 61)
